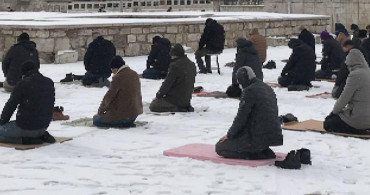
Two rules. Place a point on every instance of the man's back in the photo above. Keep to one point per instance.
(213, 37)
(334, 52)
(308, 38)
(159, 56)
(99, 56)
(260, 43)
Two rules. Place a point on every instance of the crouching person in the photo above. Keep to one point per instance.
(177, 89)
(34, 96)
(256, 126)
(123, 102)
(351, 112)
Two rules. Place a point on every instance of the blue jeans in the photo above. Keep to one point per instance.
(98, 121)
(152, 73)
(90, 78)
(11, 133)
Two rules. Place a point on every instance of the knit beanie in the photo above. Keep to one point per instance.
(117, 62)
(324, 35)
(177, 50)
(23, 37)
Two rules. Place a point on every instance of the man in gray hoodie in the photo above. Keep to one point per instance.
(351, 112)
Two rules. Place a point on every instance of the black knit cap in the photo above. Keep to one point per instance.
(362, 33)
(117, 62)
(23, 37)
(177, 50)
(155, 39)
(354, 26)
(28, 66)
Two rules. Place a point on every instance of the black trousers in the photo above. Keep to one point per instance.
(333, 123)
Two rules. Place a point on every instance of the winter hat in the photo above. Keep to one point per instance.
(242, 42)
(340, 28)
(324, 35)
(28, 66)
(209, 20)
(117, 62)
(155, 39)
(362, 34)
(177, 50)
(245, 75)
(354, 26)
(294, 43)
(23, 37)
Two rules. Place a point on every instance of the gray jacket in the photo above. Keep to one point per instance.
(353, 105)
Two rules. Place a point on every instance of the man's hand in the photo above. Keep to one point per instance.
(159, 95)
(224, 138)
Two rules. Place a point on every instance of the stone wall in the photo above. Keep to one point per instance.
(23, 5)
(135, 39)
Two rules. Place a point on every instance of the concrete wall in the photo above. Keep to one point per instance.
(23, 5)
(135, 39)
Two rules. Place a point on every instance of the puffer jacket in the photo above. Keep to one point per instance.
(159, 57)
(308, 38)
(99, 56)
(353, 105)
(333, 55)
(213, 37)
(259, 43)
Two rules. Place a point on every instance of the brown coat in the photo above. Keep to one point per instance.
(260, 43)
(123, 99)
(341, 38)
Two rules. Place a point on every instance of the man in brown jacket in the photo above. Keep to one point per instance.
(123, 102)
(259, 43)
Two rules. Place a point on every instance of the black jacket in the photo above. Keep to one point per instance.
(301, 65)
(247, 55)
(99, 56)
(333, 55)
(159, 57)
(178, 86)
(17, 55)
(365, 46)
(213, 37)
(308, 38)
(34, 96)
(257, 120)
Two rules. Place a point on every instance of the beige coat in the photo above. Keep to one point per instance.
(260, 43)
(123, 99)
(341, 38)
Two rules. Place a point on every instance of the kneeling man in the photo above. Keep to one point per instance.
(123, 102)
(257, 125)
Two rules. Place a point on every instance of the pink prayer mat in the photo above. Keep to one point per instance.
(207, 152)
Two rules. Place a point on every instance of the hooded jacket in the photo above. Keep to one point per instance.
(159, 57)
(257, 121)
(247, 55)
(213, 37)
(308, 38)
(366, 48)
(99, 56)
(333, 55)
(353, 105)
(260, 43)
(301, 65)
(17, 55)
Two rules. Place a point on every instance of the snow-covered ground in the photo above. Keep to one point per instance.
(56, 19)
(131, 162)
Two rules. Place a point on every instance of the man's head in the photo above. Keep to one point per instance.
(117, 63)
(243, 42)
(209, 20)
(245, 75)
(348, 45)
(362, 34)
(293, 43)
(354, 27)
(23, 37)
(95, 35)
(177, 51)
(324, 35)
(27, 67)
(156, 39)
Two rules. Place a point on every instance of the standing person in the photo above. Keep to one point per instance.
(307, 37)
(24, 50)
(246, 55)
(341, 33)
(351, 112)
(123, 102)
(359, 39)
(355, 31)
(211, 41)
(97, 61)
(365, 45)
(257, 126)
(177, 89)
(333, 57)
(300, 69)
(34, 97)
(159, 59)
(260, 43)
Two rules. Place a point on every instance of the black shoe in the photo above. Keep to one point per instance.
(1, 84)
(203, 72)
(198, 89)
(298, 88)
(31, 141)
(266, 154)
(77, 77)
(58, 109)
(292, 161)
(305, 155)
(69, 78)
(288, 118)
(270, 65)
(48, 138)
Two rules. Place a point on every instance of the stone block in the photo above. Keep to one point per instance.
(113, 31)
(136, 30)
(9, 41)
(77, 42)
(58, 33)
(171, 37)
(44, 45)
(46, 57)
(145, 49)
(133, 49)
(131, 38)
(120, 52)
(85, 32)
(146, 30)
(119, 40)
(66, 56)
(193, 37)
(42, 34)
(102, 31)
(61, 44)
(158, 29)
(172, 29)
(2, 43)
(125, 31)
(179, 38)
(81, 53)
(141, 38)
(7, 32)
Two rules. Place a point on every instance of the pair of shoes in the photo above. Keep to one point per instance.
(295, 159)
(270, 65)
(48, 138)
(298, 88)
(265, 154)
(70, 78)
(198, 89)
(203, 71)
(288, 118)
(58, 114)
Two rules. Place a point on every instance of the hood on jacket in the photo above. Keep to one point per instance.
(355, 60)
(245, 75)
(254, 31)
(164, 41)
(30, 45)
(246, 46)
(339, 27)
(294, 43)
